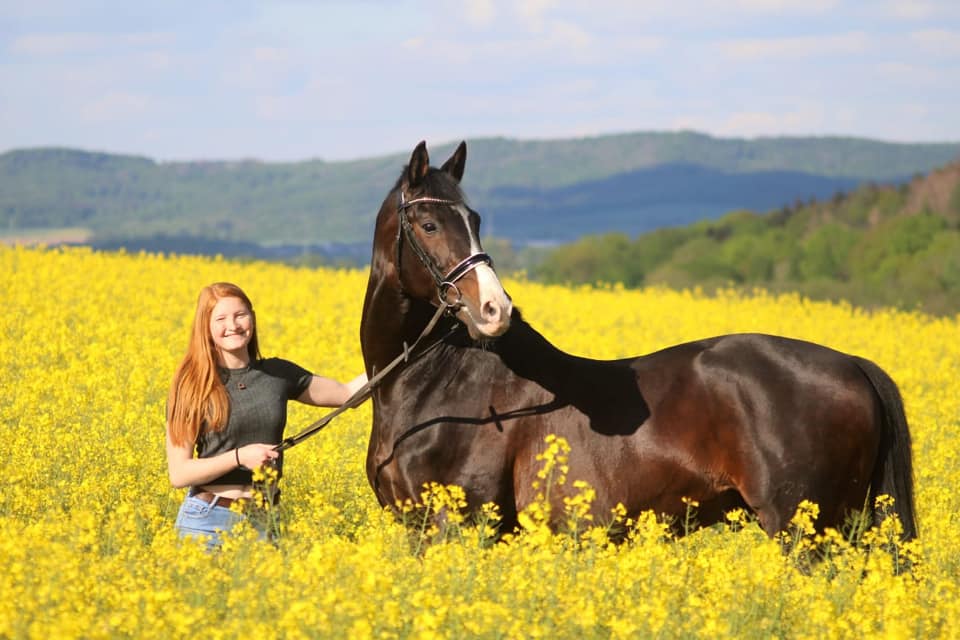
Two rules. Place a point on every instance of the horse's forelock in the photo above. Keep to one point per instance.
(436, 184)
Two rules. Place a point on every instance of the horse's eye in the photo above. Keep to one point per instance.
(429, 227)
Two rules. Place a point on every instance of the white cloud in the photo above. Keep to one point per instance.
(56, 44)
(323, 99)
(154, 60)
(261, 68)
(532, 12)
(766, 123)
(566, 34)
(797, 46)
(278, 108)
(60, 44)
(115, 105)
(937, 41)
(145, 39)
(273, 55)
(906, 75)
(802, 119)
(910, 9)
(480, 12)
(786, 6)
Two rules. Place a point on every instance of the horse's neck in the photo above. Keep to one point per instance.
(606, 391)
(530, 355)
(391, 323)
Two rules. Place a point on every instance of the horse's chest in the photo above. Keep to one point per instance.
(429, 447)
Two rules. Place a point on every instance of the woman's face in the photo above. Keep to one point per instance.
(231, 325)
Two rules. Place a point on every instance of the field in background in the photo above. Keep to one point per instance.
(65, 235)
(89, 341)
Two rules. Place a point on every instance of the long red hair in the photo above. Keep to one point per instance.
(197, 396)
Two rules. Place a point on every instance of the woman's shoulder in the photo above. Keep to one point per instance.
(280, 366)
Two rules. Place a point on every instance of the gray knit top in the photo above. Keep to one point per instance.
(258, 410)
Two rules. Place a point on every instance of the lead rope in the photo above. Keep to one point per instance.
(364, 392)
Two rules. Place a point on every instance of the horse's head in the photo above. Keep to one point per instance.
(435, 237)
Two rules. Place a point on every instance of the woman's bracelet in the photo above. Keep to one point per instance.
(237, 454)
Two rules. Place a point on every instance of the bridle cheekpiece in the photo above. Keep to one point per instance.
(445, 283)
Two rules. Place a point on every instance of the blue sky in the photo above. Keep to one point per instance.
(292, 80)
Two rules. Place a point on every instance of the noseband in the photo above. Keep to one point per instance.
(445, 283)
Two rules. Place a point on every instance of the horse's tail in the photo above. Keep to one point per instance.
(893, 469)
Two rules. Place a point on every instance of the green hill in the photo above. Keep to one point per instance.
(544, 191)
(890, 245)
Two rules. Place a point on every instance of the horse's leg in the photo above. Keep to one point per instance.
(835, 478)
(773, 509)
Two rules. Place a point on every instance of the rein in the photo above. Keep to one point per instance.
(363, 393)
(444, 284)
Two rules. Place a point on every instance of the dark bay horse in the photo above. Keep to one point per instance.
(748, 420)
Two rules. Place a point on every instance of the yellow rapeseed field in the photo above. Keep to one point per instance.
(87, 546)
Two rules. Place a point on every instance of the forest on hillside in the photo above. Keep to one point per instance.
(878, 245)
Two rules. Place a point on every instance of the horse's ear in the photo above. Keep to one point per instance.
(419, 164)
(455, 165)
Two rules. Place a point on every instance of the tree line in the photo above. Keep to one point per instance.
(878, 245)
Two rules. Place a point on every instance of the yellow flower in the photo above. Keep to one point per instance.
(86, 511)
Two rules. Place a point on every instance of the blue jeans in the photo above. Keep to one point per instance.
(198, 518)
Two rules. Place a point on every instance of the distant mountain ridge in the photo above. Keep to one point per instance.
(647, 199)
(544, 191)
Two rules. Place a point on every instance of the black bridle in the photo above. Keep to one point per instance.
(444, 282)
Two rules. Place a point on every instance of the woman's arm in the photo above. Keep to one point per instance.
(326, 392)
(186, 471)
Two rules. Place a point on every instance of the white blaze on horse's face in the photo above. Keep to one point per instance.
(493, 316)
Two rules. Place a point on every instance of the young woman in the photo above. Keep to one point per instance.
(230, 405)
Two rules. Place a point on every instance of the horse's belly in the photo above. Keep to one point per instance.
(468, 455)
(639, 481)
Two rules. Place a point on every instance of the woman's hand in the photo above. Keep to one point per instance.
(256, 455)
(187, 471)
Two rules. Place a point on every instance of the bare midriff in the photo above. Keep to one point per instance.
(232, 491)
